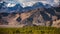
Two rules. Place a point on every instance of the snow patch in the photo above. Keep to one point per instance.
(10, 5)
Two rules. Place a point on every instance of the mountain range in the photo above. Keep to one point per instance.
(38, 14)
(12, 7)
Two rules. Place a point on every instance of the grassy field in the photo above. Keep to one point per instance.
(30, 30)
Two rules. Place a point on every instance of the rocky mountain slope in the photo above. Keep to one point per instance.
(38, 15)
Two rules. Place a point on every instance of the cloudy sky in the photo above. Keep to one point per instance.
(30, 0)
(25, 0)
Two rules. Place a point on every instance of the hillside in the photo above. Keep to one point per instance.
(38, 16)
(12, 14)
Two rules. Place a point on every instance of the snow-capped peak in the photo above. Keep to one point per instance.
(31, 3)
(10, 5)
(25, 4)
